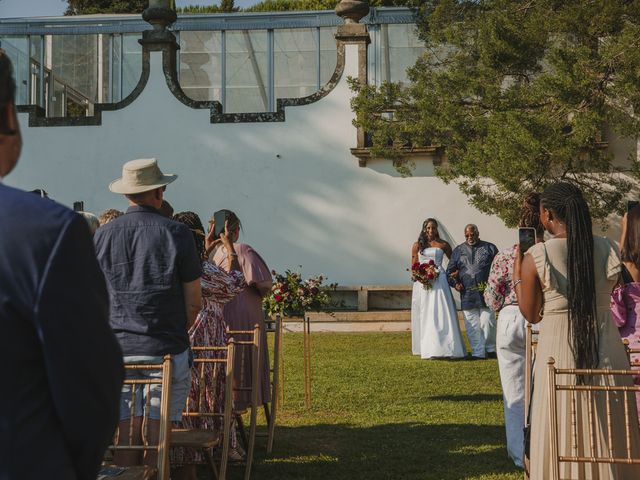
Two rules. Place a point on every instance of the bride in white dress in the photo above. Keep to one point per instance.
(435, 331)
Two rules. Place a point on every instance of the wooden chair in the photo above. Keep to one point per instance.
(126, 440)
(635, 363)
(252, 344)
(531, 345)
(598, 390)
(275, 383)
(201, 439)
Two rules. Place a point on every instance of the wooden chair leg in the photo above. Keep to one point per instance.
(211, 463)
(242, 431)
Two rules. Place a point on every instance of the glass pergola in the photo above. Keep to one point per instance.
(66, 65)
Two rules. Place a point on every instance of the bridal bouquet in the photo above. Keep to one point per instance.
(292, 295)
(425, 273)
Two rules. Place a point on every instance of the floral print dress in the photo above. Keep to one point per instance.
(209, 329)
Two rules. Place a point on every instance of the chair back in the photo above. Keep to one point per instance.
(221, 359)
(128, 440)
(632, 353)
(251, 342)
(598, 409)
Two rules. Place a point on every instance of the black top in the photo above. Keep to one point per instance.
(146, 258)
(60, 364)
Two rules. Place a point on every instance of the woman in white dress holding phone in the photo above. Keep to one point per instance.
(435, 331)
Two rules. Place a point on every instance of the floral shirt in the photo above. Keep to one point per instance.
(500, 292)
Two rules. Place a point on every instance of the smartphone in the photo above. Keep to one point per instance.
(526, 238)
(220, 217)
(631, 204)
(78, 206)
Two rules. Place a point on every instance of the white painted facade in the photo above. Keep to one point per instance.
(301, 196)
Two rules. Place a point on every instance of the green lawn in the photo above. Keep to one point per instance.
(381, 413)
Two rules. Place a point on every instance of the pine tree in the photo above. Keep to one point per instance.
(518, 95)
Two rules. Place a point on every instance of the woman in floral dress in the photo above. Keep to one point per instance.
(209, 329)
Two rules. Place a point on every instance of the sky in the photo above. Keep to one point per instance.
(47, 8)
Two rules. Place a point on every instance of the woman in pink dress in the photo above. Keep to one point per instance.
(625, 299)
(209, 329)
(245, 310)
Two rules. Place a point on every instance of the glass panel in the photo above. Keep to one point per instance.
(17, 49)
(131, 63)
(400, 48)
(295, 62)
(246, 71)
(200, 64)
(74, 63)
(328, 54)
(116, 68)
(35, 48)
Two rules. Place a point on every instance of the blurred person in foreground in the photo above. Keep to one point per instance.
(61, 364)
(569, 279)
(625, 299)
(511, 329)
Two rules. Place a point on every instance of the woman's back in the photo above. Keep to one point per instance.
(550, 259)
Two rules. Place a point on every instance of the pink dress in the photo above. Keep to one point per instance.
(209, 329)
(625, 307)
(242, 313)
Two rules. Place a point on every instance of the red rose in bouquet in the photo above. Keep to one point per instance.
(425, 273)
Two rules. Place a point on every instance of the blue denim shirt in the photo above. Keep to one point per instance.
(146, 258)
(473, 264)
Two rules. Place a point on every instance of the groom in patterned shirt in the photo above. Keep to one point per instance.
(468, 272)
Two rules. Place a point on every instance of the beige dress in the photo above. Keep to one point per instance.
(551, 263)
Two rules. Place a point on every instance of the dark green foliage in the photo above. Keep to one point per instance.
(517, 94)
(88, 7)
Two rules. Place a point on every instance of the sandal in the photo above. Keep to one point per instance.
(236, 455)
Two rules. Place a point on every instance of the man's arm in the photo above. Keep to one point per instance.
(192, 300)
(82, 357)
(453, 267)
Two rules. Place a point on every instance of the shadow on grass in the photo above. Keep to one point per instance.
(390, 451)
(480, 397)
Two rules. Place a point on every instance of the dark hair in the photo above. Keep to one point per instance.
(7, 93)
(422, 237)
(530, 213)
(108, 215)
(568, 205)
(166, 210)
(192, 221)
(631, 244)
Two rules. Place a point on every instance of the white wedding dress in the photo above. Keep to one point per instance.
(435, 331)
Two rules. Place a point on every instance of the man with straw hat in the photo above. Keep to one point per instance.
(60, 364)
(153, 277)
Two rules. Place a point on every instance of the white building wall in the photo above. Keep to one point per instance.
(301, 196)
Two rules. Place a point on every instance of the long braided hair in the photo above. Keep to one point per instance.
(422, 237)
(192, 221)
(569, 206)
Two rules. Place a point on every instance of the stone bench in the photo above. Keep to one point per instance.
(375, 297)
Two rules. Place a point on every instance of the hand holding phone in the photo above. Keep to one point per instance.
(526, 238)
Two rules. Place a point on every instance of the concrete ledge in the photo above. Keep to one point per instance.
(373, 321)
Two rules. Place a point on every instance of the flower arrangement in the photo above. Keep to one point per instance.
(291, 295)
(425, 273)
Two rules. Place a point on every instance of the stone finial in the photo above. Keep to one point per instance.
(352, 10)
(159, 14)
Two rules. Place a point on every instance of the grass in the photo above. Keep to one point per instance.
(380, 413)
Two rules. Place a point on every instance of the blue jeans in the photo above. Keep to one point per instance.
(180, 386)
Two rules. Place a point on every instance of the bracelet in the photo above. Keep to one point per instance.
(517, 282)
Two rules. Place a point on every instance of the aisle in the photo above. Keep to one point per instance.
(380, 413)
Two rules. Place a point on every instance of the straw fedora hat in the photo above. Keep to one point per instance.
(140, 176)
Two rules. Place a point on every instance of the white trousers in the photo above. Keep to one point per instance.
(511, 342)
(480, 324)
